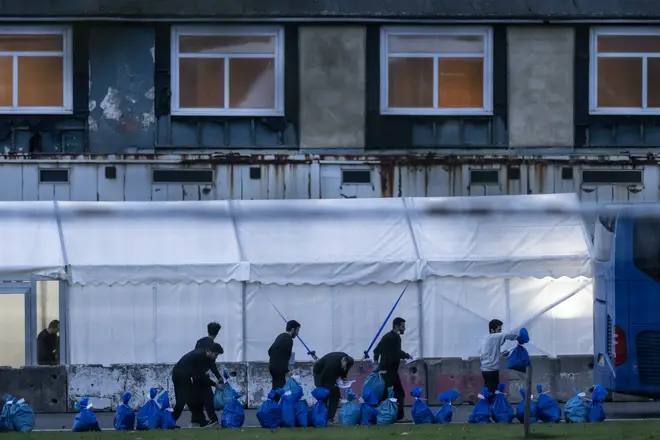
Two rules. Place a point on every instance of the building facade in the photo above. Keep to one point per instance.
(196, 100)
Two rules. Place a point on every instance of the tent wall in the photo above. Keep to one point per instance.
(152, 323)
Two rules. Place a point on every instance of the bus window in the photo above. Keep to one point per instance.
(646, 246)
(604, 238)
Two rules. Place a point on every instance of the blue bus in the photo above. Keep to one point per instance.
(627, 304)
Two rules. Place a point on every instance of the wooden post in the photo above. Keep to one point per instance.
(528, 399)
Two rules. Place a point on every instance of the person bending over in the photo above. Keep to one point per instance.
(203, 396)
(189, 374)
(327, 370)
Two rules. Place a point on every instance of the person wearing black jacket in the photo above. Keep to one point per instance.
(48, 345)
(280, 354)
(388, 355)
(202, 396)
(190, 373)
(327, 370)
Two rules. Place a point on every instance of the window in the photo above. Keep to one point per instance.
(228, 71)
(35, 70)
(646, 246)
(182, 176)
(436, 71)
(624, 65)
(53, 175)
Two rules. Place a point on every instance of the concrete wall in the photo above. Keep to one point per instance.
(541, 86)
(121, 87)
(332, 86)
(56, 389)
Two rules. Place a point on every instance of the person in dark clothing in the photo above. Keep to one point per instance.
(327, 370)
(48, 345)
(280, 354)
(203, 396)
(388, 355)
(189, 374)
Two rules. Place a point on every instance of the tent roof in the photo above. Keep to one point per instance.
(109, 242)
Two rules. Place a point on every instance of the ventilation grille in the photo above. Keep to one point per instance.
(648, 357)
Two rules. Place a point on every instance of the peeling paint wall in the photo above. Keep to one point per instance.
(121, 88)
(104, 385)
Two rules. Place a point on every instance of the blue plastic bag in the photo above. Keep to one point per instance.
(421, 413)
(520, 411)
(519, 357)
(375, 382)
(596, 410)
(5, 414)
(319, 412)
(165, 419)
(233, 414)
(269, 413)
(302, 414)
(481, 411)
(547, 408)
(388, 410)
(368, 410)
(221, 398)
(85, 420)
(445, 413)
(16, 415)
(125, 415)
(290, 385)
(147, 416)
(501, 408)
(288, 404)
(349, 414)
(576, 408)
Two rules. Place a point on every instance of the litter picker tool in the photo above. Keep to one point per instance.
(309, 352)
(389, 315)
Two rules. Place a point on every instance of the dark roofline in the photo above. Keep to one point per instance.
(337, 9)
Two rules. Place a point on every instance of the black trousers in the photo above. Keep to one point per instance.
(491, 381)
(201, 399)
(278, 379)
(185, 393)
(392, 379)
(333, 399)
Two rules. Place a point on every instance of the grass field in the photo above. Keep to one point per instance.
(633, 430)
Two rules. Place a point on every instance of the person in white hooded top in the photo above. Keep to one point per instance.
(491, 353)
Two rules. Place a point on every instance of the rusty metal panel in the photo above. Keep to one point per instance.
(110, 190)
(137, 183)
(11, 177)
(84, 183)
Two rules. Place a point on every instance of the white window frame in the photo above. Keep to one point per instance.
(67, 64)
(192, 30)
(593, 68)
(483, 31)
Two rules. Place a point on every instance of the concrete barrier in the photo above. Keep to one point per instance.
(43, 388)
(104, 385)
(56, 389)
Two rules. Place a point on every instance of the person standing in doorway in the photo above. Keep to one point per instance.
(388, 355)
(279, 354)
(203, 396)
(189, 375)
(326, 371)
(48, 344)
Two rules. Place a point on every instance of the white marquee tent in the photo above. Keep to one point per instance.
(141, 289)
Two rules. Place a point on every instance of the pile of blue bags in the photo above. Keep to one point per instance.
(501, 409)
(481, 411)
(388, 409)
(368, 407)
(125, 415)
(421, 413)
(233, 413)
(16, 415)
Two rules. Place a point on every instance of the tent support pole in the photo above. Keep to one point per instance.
(420, 316)
(507, 302)
(528, 399)
(244, 321)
